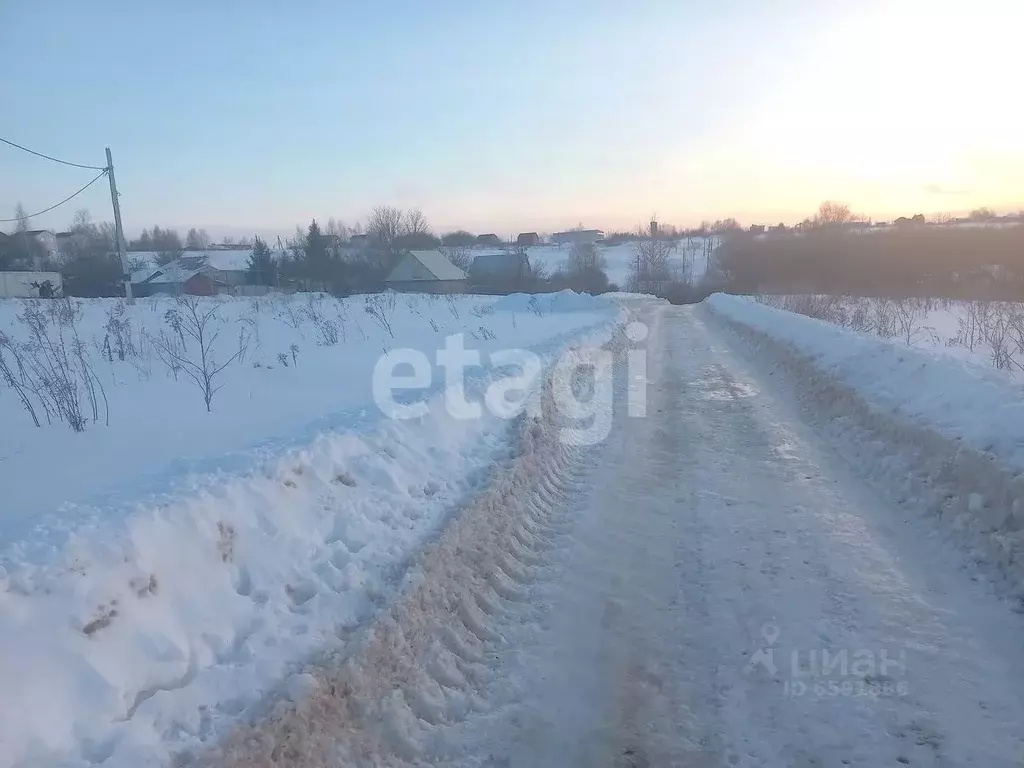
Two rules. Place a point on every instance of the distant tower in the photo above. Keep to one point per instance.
(654, 228)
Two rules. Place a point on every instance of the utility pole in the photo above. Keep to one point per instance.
(119, 231)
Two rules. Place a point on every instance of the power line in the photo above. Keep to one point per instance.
(102, 173)
(54, 159)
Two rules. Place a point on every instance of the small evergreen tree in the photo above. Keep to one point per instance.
(318, 261)
(262, 266)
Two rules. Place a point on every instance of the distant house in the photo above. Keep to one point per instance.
(915, 220)
(359, 241)
(426, 272)
(62, 239)
(39, 244)
(500, 272)
(577, 236)
(488, 239)
(43, 237)
(192, 275)
(528, 238)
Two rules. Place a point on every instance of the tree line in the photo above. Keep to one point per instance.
(907, 260)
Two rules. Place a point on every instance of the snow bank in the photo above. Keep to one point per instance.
(417, 671)
(959, 399)
(151, 602)
(946, 434)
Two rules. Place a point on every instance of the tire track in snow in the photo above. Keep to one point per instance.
(390, 696)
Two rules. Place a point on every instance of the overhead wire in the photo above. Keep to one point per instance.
(54, 159)
(98, 176)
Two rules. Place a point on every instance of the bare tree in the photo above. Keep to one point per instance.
(831, 213)
(384, 226)
(197, 239)
(23, 219)
(336, 233)
(190, 349)
(415, 223)
(652, 269)
(459, 255)
(584, 257)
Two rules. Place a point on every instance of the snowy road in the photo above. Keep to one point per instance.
(726, 592)
(713, 585)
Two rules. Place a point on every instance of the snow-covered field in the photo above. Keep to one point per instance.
(985, 332)
(690, 255)
(161, 573)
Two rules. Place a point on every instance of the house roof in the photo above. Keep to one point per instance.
(222, 261)
(496, 264)
(176, 272)
(435, 262)
(578, 232)
(36, 232)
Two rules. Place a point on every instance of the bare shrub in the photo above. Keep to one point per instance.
(1000, 337)
(190, 348)
(452, 306)
(53, 366)
(118, 339)
(15, 382)
(327, 329)
(882, 317)
(909, 317)
(381, 307)
(288, 314)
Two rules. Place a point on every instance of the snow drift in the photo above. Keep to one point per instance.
(135, 629)
(947, 433)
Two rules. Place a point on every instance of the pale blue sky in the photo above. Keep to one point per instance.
(498, 116)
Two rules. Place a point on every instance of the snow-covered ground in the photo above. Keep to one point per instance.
(948, 433)
(964, 399)
(732, 580)
(984, 332)
(160, 574)
(806, 548)
(689, 254)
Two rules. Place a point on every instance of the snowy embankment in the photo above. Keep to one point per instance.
(160, 576)
(949, 433)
